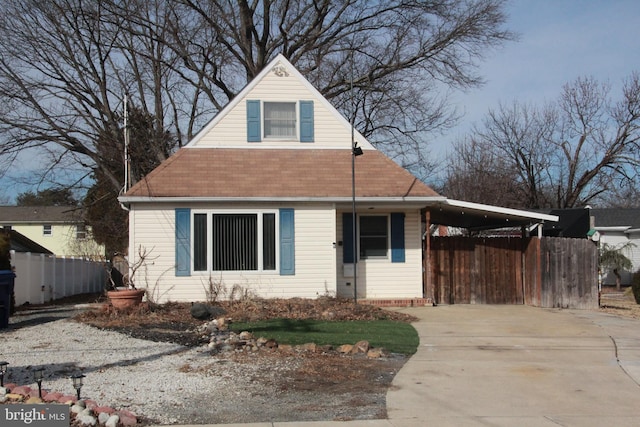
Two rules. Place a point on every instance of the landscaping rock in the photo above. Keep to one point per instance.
(103, 417)
(33, 400)
(361, 347)
(112, 421)
(23, 390)
(52, 397)
(200, 311)
(376, 353)
(245, 335)
(86, 420)
(203, 311)
(345, 348)
(310, 346)
(13, 396)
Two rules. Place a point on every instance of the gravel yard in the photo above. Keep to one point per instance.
(167, 383)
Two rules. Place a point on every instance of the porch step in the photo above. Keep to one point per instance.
(402, 302)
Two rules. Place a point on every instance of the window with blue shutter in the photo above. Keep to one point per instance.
(287, 242)
(254, 133)
(306, 121)
(347, 238)
(183, 242)
(397, 237)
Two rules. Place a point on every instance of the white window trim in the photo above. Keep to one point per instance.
(259, 212)
(44, 227)
(81, 229)
(263, 111)
(381, 258)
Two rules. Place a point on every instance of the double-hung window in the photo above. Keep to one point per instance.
(374, 236)
(81, 231)
(244, 241)
(280, 120)
(47, 230)
(379, 237)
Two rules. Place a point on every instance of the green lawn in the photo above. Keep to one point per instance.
(396, 337)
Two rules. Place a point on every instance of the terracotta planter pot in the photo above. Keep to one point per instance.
(125, 298)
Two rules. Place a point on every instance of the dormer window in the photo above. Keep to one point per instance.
(280, 121)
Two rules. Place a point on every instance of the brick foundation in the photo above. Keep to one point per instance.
(401, 302)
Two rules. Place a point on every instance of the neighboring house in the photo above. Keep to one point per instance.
(59, 229)
(21, 243)
(619, 228)
(260, 201)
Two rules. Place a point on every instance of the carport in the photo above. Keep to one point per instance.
(515, 266)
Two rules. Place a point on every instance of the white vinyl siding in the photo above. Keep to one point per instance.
(380, 278)
(153, 228)
(329, 131)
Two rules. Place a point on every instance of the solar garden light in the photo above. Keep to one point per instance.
(3, 370)
(77, 382)
(38, 374)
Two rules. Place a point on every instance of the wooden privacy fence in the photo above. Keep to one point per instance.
(547, 272)
(42, 278)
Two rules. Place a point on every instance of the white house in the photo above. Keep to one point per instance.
(261, 200)
(620, 229)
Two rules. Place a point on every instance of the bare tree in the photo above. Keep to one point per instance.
(566, 154)
(65, 66)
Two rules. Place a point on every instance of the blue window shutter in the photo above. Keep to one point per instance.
(183, 242)
(397, 237)
(306, 121)
(347, 238)
(287, 243)
(254, 133)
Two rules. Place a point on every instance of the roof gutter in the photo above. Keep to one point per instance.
(411, 199)
(499, 210)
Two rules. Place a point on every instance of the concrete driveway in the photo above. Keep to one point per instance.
(519, 366)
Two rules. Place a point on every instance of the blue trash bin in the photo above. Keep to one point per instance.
(7, 281)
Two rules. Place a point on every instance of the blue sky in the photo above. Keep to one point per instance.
(560, 40)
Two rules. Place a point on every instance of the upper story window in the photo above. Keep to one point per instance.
(47, 230)
(81, 231)
(280, 120)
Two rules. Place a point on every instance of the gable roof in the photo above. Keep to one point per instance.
(20, 243)
(268, 174)
(280, 66)
(616, 217)
(39, 214)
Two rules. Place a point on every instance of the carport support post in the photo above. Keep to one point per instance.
(427, 258)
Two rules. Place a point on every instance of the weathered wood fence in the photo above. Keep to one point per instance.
(547, 272)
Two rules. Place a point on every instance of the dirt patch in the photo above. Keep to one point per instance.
(270, 385)
(620, 303)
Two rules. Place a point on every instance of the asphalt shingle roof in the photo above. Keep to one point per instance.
(616, 217)
(39, 214)
(264, 173)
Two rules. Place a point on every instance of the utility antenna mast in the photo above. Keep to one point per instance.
(127, 160)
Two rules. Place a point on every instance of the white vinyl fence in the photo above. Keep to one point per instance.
(42, 278)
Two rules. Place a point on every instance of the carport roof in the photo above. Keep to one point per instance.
(477, 216)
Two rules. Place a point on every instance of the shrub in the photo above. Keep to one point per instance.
(635, 286)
